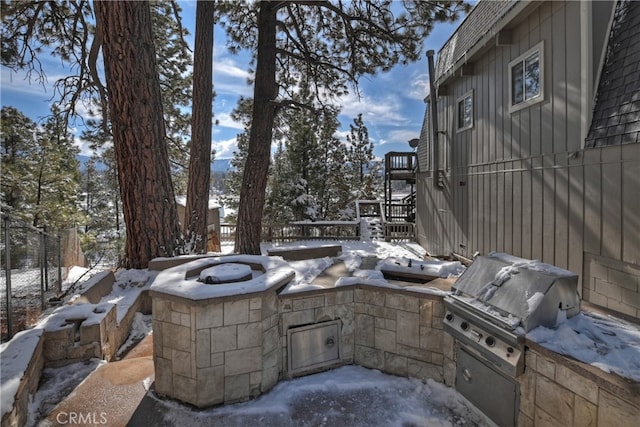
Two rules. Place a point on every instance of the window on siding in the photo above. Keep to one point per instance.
(465, 111)
(526, 77)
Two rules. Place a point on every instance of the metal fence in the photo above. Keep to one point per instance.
(31, 274)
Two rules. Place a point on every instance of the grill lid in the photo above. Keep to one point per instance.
(533, 292)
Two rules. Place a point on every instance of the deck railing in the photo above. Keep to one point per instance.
(300, 230)
(399, 231)
(400, 161)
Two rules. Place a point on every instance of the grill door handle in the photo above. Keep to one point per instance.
(466, 375)
(330, 342)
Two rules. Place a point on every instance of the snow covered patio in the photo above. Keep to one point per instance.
(595, 384)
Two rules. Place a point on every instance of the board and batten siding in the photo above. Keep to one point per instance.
(522, 183)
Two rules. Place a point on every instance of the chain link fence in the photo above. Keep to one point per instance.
(31, 276)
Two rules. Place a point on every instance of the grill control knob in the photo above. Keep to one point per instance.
(464, 326)
(510, 349)
(449, 317)
(490, 341)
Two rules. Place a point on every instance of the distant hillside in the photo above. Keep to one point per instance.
(219, 165)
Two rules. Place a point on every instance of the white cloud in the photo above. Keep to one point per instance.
(419, 88)
(225, 66)
(30, 96)
(224, 149)
(385, 110)
(401, 135)
(230, 77)
(85, 150)
(225, 120)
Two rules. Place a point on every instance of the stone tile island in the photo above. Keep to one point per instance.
(217, 343)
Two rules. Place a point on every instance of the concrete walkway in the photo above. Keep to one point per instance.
(110, 394)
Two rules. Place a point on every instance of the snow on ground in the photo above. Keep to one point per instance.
(128, 285)
(347, 396)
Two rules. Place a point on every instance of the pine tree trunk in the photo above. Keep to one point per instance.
(135, 112)
(254, 179)
(197, 206)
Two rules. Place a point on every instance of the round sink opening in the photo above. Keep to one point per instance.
(226, 273)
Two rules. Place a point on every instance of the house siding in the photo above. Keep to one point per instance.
(522, 182)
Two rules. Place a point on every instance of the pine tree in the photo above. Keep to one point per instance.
(336, 190)
(307, 169)
(18, 136)
(58, 176)
(278, 209)
(364, 171)
(40, 173)
(174, 61)
(195, 227)
(147, 193)
(101, 238)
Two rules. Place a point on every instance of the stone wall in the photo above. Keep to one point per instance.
(71, 339)
(215, 351)
(557, 391)
(613, 284)
(316, 307)
(396, 331)
(25, 350)
(399, 332)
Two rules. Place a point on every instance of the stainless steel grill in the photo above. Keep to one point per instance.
(493, 304)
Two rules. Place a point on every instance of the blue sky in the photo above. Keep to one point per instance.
(391, 103)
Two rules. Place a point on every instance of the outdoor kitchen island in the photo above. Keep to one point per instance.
(248, 342)
(493, 307)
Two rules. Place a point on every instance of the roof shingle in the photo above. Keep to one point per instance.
(616, 115)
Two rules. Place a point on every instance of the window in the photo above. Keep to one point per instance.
(526, 77)
(465, 111)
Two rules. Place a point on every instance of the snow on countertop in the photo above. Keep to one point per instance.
(228, 272)
(173, 282)
(419, 267)
(606, 342)
(352, 255)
